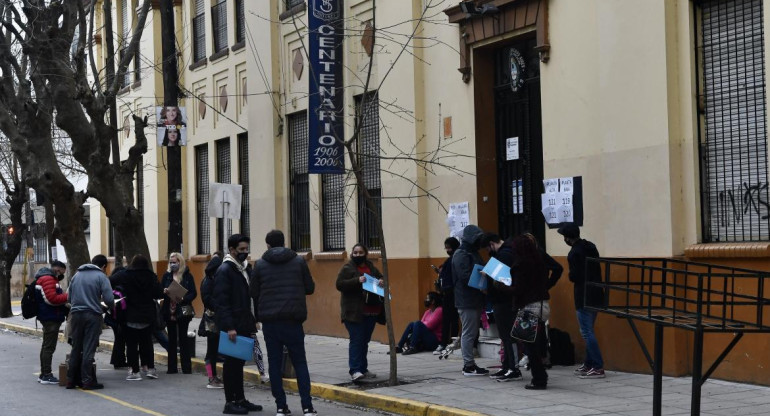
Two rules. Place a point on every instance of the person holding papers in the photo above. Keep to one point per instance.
(235, 318)
(177, 321)
(530, 292)
(360, 310)
(501, 298)
(469, 300)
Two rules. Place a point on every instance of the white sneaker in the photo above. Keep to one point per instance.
(357, 376)
(134, 377)
(438, 349)
(151, 373)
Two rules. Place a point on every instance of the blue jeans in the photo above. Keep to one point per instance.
(292, 336)
(360, 334)
(422, 338)
(586, 320)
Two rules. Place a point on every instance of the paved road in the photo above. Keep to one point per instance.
(170, 395)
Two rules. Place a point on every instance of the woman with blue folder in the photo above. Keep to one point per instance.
(360, 310)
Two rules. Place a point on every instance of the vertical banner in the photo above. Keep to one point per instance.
(325, 113)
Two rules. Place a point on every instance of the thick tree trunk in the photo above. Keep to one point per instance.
(12, 247)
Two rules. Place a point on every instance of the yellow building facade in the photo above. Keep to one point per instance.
(659, 107)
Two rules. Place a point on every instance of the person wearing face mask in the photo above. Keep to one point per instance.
(423, 335)
(51, 313)
(360, 310)
(176, 323)
(450, 326)
(580, 272)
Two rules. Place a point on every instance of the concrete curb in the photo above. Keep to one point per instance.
(326, 391)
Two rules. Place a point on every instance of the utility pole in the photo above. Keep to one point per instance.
(171, 98)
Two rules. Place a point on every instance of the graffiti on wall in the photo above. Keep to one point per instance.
(748, 201)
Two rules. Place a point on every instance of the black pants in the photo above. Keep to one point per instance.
(450, 326)
(504, 317)
(118, 358)
(177, 336)
(536, 351)
(232, 377)
(139, 344)
(212, 351)
(292, 336)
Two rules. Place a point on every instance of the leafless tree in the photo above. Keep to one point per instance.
(16, 195)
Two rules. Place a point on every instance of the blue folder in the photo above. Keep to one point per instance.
(478, 280)
(242, 348)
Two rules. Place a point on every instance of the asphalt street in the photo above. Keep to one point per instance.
(170, 395)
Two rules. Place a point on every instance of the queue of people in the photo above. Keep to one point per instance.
(236, 296)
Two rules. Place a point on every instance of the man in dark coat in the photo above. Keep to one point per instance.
(580, 272)
(234, 317)
(279, 283)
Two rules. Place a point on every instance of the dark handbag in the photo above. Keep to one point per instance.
(159, 323)
(187, 311)
(525, 326)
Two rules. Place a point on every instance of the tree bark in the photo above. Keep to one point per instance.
(11, 247)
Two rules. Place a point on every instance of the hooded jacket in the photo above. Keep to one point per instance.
(231, 298)
(140, 288)
(580, 272)
(465, 257)
(50, 297)
(279, 283)
(207, 285)
(88, 288)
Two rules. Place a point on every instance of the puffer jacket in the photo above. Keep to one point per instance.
(50, 297)
(279, 283)
(231, 298)
(463, 260)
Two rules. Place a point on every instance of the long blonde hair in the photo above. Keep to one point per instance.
(179, 272)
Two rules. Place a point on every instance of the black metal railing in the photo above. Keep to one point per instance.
(684, 294)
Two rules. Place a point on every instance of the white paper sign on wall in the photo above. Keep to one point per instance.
(512, 148)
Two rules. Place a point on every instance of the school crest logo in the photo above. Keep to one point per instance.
(326, 9)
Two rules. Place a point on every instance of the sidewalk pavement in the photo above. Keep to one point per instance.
(438, 388)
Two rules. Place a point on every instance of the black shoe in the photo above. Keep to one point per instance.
(251, 407)
(510, 375)
(531, 386)
(232, 408)
(409, 351)
(309, 412)
(284, 411)
(172, 372)
(93, 386)
(475, 370)
(71, 385)
(498, 374)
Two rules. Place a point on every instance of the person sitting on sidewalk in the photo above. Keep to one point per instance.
(423, 335)
(51, 313)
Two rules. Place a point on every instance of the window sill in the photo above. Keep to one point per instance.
(201, 63)
(200, 258)
(728, 250)
(221, 54)
(330, 255)
(238, 46)
(124, 90)
(293, 11)
(306, 255)
(136, 85)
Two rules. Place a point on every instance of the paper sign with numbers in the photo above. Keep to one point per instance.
(551, 185)
(566, 185)
(458, 218)
(557, 201)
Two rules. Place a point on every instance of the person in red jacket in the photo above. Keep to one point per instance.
(51, 313)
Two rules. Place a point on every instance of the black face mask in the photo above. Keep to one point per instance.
(427, 303)
(60, 277)
(359, 260)
(241, 257)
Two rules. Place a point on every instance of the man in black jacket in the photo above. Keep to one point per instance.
(279, 283)
(580, 272)
(234, 317)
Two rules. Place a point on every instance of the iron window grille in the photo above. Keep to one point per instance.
(125, 80)
(202, 198)
(240, 21)
(219, 24)
(137, 66)
(733, 127)
(224, 175)
(368, 115)
(125, 30)
(199, 37)
(333, 200)
(299, 185)
(243, 167)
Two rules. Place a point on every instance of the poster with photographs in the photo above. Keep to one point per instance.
(172, 126)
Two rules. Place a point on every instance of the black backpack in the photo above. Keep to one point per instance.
(29, 301)
(561, 347)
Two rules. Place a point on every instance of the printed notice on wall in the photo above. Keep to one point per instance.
(556, 203)
(518, 196)
(458, 218)
(512, 148)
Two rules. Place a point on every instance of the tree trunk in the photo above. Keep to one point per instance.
(12, 247)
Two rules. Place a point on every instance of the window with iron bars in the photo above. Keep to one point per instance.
(733, 128)
(224, 175)
(199, 32)
(299, 182)
(243, 173)
(219, 24)
(202, 198)
(333, 200)
(240, 22)
(368, 115)
(39, 245)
